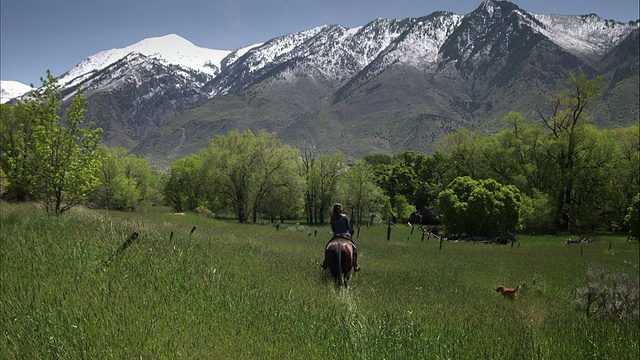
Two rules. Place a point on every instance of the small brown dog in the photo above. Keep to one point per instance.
(508, 292)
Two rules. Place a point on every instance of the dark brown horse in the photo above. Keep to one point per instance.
(338, 257)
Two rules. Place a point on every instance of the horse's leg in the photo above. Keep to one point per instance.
(347, 267)
(347, 276)
(338, 257)
(325, 262)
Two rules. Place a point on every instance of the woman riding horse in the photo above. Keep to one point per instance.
(340, 228)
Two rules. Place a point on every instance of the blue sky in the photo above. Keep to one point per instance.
(36, 35)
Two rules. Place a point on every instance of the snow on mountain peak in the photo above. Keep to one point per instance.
(170, 49)
(12, 89)
(587, 34)
(177, 50)
(421, 46)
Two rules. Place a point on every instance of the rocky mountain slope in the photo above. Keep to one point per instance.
(387, 86)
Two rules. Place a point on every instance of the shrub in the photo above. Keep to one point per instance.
(609, 295)
(403, 209)
(4, 182)
(201, 210)
(632, 220)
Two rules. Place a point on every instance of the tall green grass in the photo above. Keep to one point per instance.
(251, 291)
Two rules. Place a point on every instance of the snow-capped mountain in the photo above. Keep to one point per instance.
(12, 89)
(588, 35)
(337, 54)
(400, 83)
(168, 50)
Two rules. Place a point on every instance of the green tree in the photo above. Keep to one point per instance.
(378, 159)
(538, 213)
(505, 154)
(126, 181)
(115, 192)
(56, 157)
(402, 208)
(284, 202)
(594, 197)
(568, 122)
(480, 207)
(589, 176)
(278, 187)
(622, 172)
(632, 220)
(15, 148)
(604, 172)
(190, 185)
(464, 152)
(358, 192)
(171, 189)
(517, 155)
(321, 174)
(416, 178)
(4, 182)
(308, 171)
(428, 184)
(524, 148)
(247, 169)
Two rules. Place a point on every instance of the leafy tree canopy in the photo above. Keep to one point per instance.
(51, 159)
(480, 207)
(633, 217)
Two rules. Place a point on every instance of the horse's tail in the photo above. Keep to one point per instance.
(338, 257)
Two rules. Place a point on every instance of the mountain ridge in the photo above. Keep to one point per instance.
(432, 74)
(219, 58)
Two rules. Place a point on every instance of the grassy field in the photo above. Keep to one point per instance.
(232, 291)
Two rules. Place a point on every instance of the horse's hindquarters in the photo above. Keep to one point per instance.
(339, 258)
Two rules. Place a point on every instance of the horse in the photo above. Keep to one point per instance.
(338, 257)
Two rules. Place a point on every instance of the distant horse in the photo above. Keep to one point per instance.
(338, 257)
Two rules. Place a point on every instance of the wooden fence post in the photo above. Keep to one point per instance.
(122, 247)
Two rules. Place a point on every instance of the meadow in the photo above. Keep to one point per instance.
(231, 291)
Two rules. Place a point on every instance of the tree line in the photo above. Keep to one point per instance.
(53, 156)
(553, 172)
